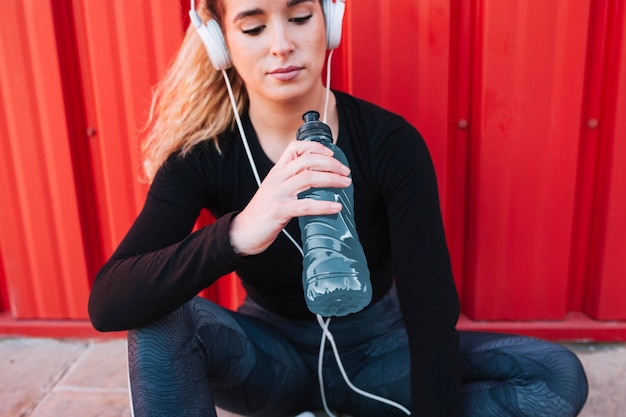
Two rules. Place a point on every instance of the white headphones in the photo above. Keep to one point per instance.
(213, 38)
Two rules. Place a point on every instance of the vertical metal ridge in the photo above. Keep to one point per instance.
(523, 162)
(45, 233)
(601, 190)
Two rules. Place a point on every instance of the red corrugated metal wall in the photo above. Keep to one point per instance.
(521, 103)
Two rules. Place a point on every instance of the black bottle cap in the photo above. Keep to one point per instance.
(313, 129)
(311, 116)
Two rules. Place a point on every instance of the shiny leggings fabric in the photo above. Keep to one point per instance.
(257, 364)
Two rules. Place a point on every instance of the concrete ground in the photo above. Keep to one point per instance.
(87, 378)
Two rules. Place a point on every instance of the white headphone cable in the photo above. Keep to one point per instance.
(327, 334)
(240, 126)
(330, 55)
(325, 331)
(244, 140)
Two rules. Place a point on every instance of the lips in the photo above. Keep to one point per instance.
(286, 73)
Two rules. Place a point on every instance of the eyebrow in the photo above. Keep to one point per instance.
(257, 11)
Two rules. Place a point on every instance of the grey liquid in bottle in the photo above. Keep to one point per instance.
(335, 275)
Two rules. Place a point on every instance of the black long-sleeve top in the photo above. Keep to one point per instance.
(160, 264)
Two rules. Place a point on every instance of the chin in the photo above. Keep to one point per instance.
(294, 90)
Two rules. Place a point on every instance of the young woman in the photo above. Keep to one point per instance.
(188, 355)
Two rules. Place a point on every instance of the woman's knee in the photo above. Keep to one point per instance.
(176, 332)
(568, 377)
(544, 375)
(171, 328)
(557, 367)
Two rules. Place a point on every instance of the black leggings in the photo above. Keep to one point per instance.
(256, 364)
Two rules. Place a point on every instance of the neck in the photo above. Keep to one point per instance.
(276, 123)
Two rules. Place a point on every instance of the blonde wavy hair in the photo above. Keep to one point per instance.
(190, 104)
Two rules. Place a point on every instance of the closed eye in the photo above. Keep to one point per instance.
(301, 20)
(254, 31)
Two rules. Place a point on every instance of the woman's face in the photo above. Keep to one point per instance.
(277, 46)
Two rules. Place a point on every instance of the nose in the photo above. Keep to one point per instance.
(282, 44)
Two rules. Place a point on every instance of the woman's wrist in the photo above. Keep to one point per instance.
(234, 236)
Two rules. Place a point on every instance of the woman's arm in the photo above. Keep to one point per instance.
(421, 267)
(158, 266)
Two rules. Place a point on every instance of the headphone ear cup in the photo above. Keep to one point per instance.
(333, 13)
(215, 45)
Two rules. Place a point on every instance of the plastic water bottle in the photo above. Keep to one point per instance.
(335, 276)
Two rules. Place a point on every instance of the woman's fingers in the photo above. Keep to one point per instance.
(311, 207)
(306, 165)
(302, 166)
(311, 164)
(307, 179)
(310, 155)
(301, 147)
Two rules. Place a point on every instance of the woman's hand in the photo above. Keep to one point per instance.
(303, 165)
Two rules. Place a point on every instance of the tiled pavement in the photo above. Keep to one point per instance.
(87, 378)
